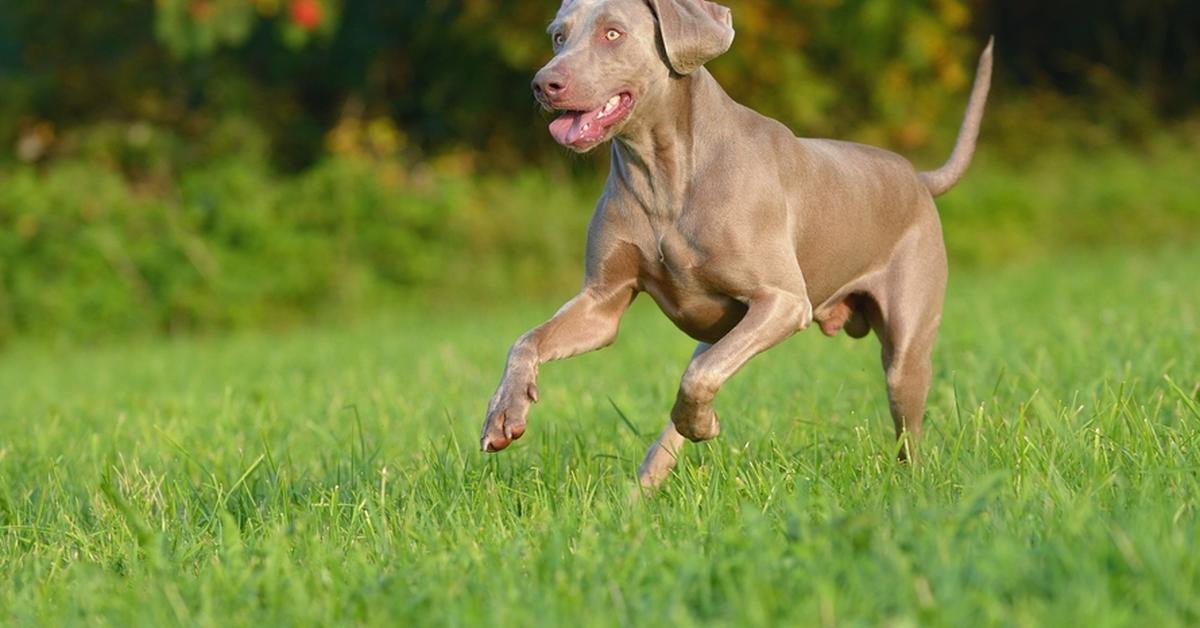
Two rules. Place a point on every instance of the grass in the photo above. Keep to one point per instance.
(331, 476)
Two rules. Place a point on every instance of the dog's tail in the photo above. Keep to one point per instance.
(943, 179)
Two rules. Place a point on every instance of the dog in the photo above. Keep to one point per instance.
(742, 233)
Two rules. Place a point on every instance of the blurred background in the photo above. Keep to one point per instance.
(195, 166)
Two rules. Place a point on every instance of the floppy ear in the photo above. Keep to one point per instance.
(694, 32)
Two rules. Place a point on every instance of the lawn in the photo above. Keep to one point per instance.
(331, 474)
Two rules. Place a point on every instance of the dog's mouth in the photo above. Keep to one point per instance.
(582, 130)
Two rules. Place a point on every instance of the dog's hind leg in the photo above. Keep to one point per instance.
(659, 461)
(907, 326)
(909, 369)
(661, 457)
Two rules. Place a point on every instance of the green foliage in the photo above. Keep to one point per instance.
(227, 244)
(230, 244)
(1136, 196)
(233, 247)
(454, 75)
(211, 164)
(332, 476)
(200, 27)
(888, 72)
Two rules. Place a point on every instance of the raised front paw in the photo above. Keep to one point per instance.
(506, 415)
(695, 421)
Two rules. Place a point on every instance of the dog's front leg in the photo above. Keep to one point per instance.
(586, 323)
(773, 316)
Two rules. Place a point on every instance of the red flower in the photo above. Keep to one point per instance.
(306, 14)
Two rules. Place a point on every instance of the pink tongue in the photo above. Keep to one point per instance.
(567, 129)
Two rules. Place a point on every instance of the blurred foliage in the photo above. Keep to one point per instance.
(453, 74)
(199, 27)
(183, 165)
(85, 254)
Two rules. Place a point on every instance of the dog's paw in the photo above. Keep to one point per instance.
(695, 422)
(507, 414)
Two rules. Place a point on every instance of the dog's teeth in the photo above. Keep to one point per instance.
(609, 106)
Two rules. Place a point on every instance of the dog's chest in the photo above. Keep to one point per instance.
(676, 254)
(670, 257)
(675, 273)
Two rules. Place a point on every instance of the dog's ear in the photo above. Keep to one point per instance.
(694, 32)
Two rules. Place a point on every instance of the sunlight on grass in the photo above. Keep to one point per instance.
(331, 474)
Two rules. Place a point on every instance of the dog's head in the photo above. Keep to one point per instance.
(609, 55)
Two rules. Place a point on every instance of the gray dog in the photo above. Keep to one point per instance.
(733, 225)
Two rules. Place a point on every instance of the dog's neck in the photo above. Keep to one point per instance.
(656, 156)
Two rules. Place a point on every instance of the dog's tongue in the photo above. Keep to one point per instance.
(565, 128)
(568, 129)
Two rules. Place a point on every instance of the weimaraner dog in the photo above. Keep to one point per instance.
(733, 225)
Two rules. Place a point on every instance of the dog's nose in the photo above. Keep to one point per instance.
(549, 86)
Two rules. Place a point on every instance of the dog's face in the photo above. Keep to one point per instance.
(611, 55)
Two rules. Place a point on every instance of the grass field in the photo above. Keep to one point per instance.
(331, 475)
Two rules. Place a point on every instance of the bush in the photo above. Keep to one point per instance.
(85, 253)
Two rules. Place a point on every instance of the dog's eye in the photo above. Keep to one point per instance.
(612, 34)
(559, 40)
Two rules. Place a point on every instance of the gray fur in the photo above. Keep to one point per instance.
(742, 233)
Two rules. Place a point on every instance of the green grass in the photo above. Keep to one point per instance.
(331, 475)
